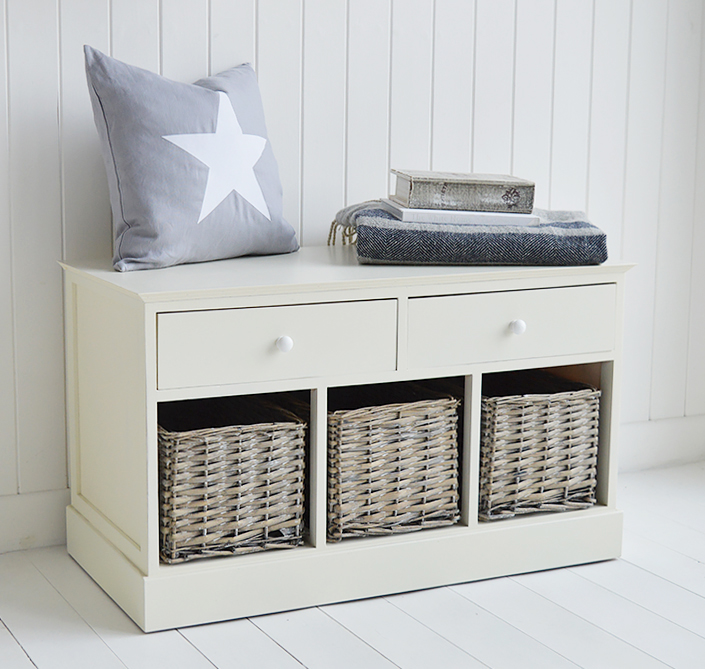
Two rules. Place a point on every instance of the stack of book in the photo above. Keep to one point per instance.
(454, 197)
(448, 218)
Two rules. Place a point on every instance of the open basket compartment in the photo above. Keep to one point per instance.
(231, 477)
(539, 444)
(392, 459)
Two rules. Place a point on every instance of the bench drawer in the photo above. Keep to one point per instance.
(225, 346)
(464, 329)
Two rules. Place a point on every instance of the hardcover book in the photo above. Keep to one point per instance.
(420, 189)
(457, 216)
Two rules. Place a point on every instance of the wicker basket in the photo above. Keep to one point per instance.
(392, 467)
(234, 487)
(538, 446)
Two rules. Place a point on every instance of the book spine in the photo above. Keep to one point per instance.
(510, 198)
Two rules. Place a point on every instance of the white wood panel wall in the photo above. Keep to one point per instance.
(453, 66)
(600, 102)
(676, 210)
(533, 94)
(494, 86)
(368, 100)
(8, 407)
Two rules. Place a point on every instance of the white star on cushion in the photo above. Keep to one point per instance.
(230, 156)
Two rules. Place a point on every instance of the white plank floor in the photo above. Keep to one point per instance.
(644, 610)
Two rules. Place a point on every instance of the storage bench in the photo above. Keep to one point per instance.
(142, 344)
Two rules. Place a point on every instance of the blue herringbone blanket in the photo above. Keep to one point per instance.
(560, 238)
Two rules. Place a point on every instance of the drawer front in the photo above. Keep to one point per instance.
(224, 346)
(483, 327)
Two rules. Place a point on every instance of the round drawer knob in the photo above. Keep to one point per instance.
(518, 326)
(285, 344)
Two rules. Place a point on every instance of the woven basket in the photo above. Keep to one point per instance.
(231, 488)
(392, 467)
(538, 446)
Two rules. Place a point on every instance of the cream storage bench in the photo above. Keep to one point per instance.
(292, 334)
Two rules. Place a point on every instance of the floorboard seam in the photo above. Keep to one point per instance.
(19, 645)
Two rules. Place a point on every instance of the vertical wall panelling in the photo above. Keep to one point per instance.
(279, 73)
(675, 234)
(367, 136)
(641, 199)
(410, 112)
(571, 104)
(494, 87)
(323, 167)
(600, 102)
(8, 444)
(695, 389)
(184, 39)
(86, 208)
(232, 30)
(453, 84)
(608, 119)
(35, 210)
(134, 32)
(533, 94)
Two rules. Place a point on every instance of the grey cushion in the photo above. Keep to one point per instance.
(191, 173)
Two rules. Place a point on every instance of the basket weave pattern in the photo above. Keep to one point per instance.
(231, 490)
(392, 468)
(538, 453)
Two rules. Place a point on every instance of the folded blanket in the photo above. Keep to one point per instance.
(560, 238)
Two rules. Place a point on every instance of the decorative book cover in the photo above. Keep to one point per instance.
(457, 216)
(420, 189)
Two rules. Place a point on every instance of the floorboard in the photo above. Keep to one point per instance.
(52, 634)
(665, 562)
(629, 622)
(645, 610)
(399, 637)
(11, 652)
(560, 629)
(237, 644)
(673, 602)
(675, 495)
(487, 637)
(135, 649)
(668, 532)
(319, 642)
